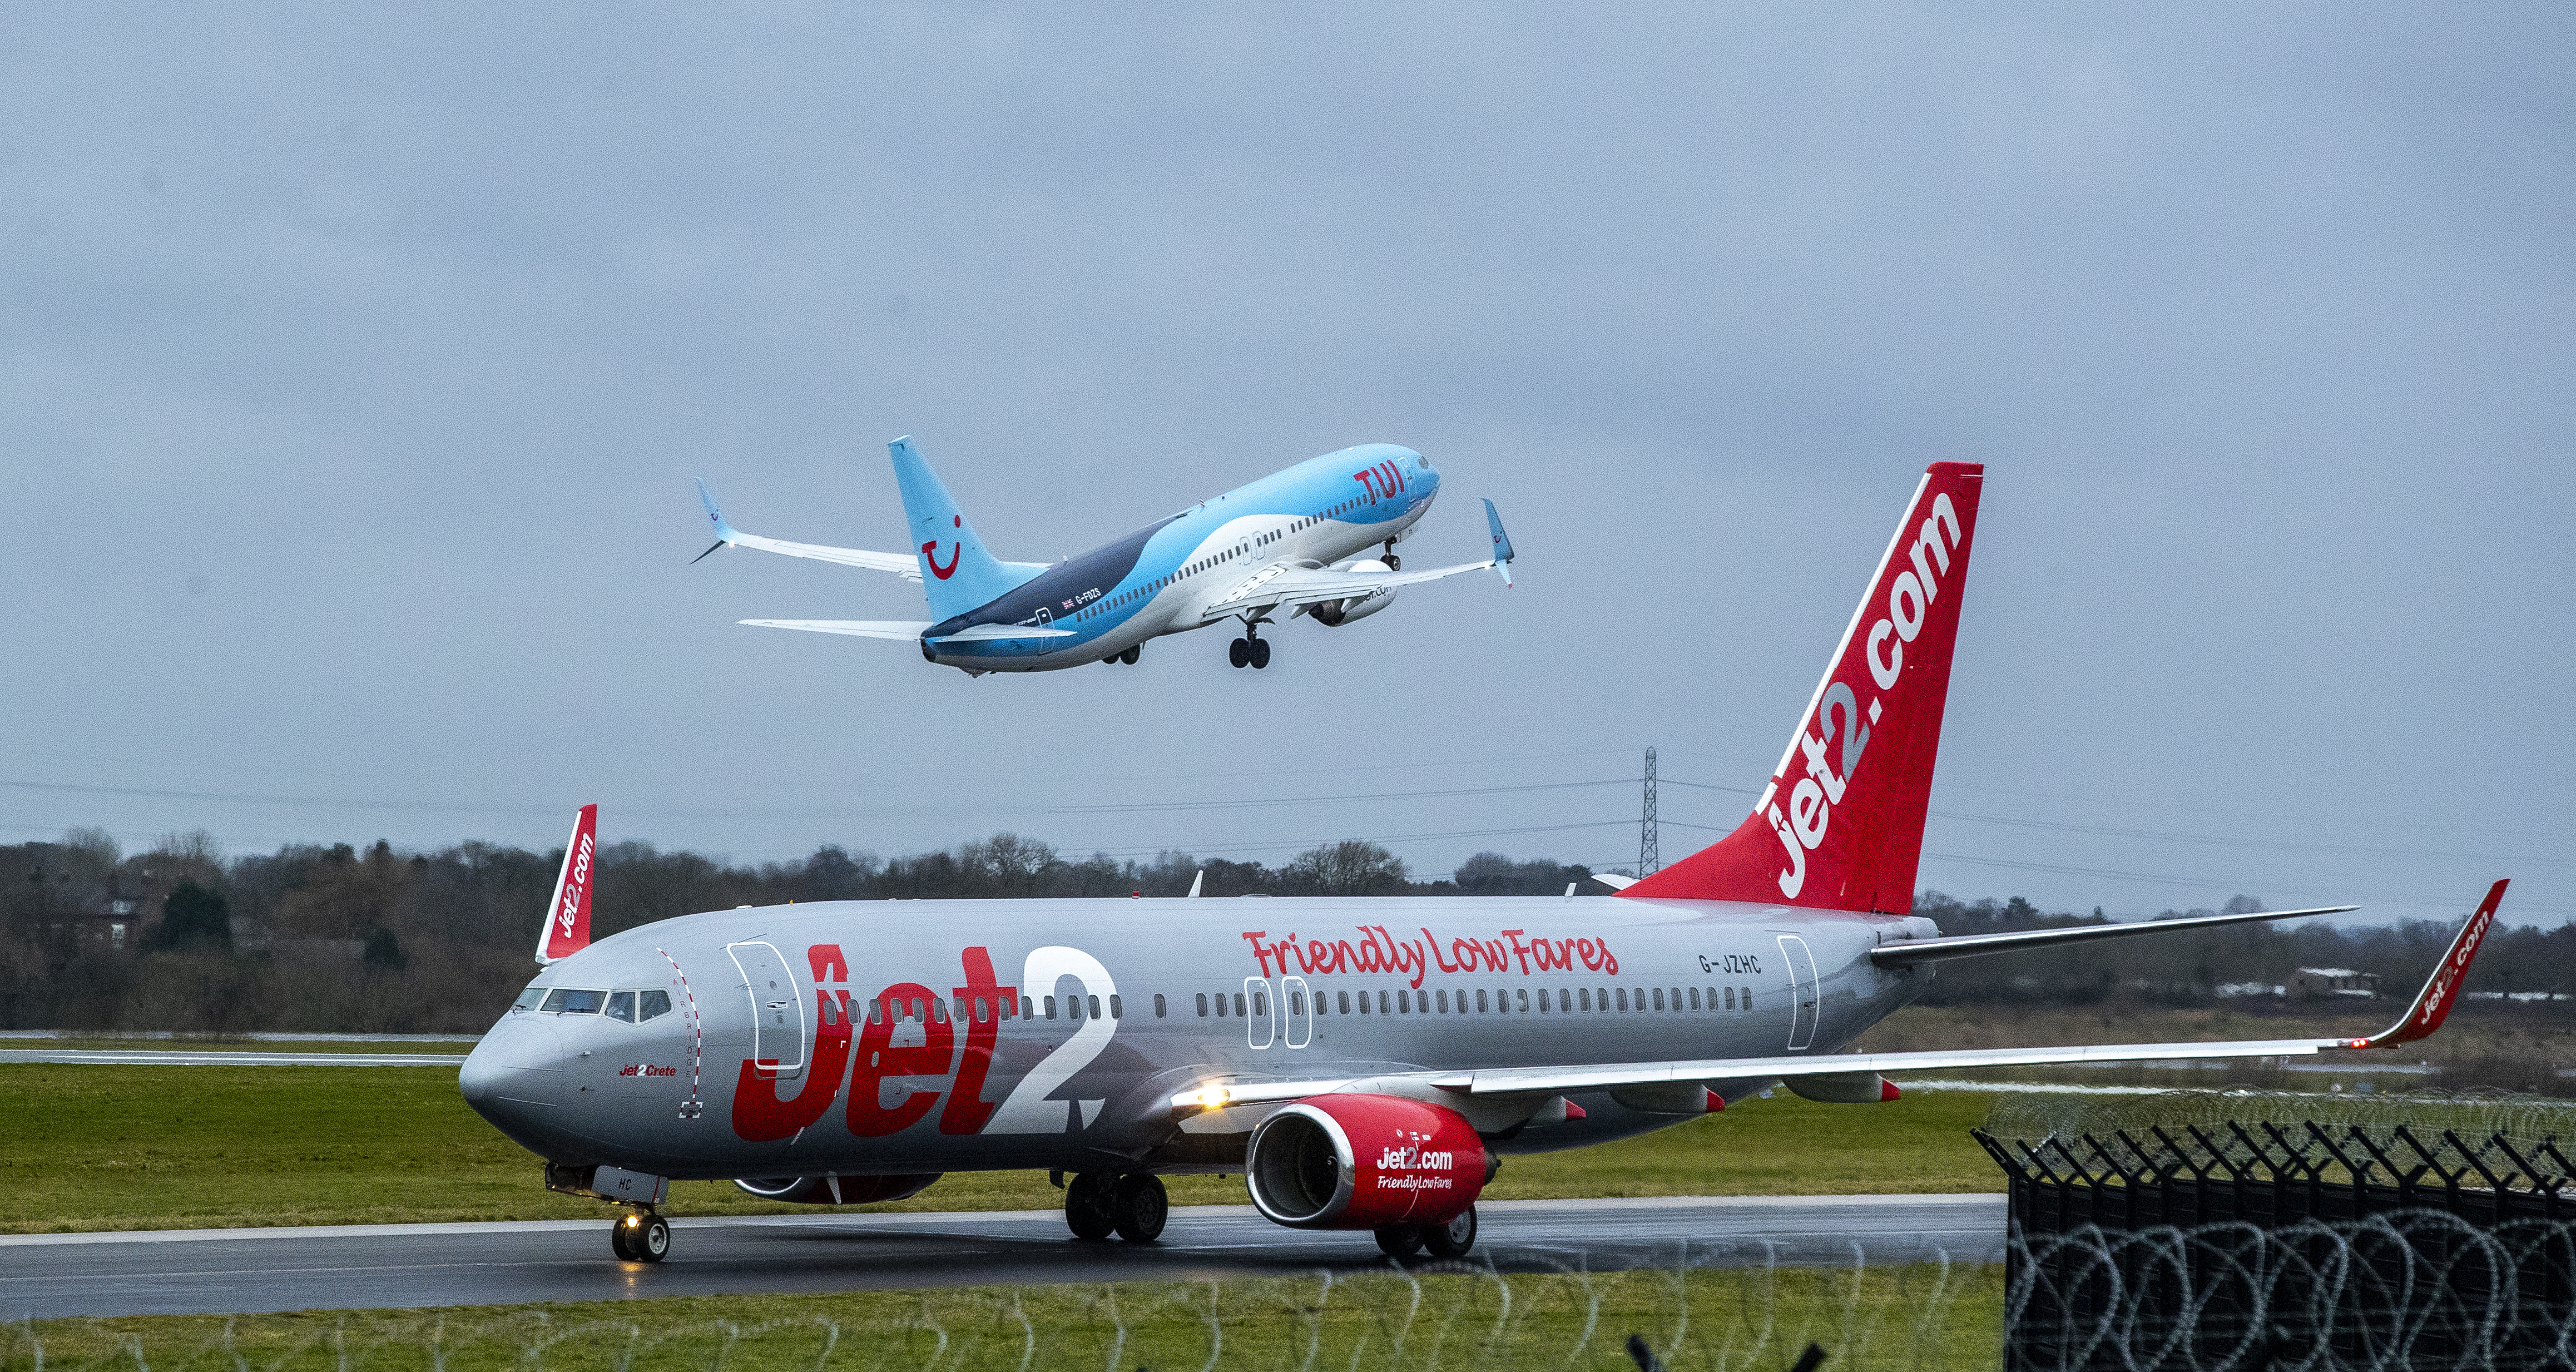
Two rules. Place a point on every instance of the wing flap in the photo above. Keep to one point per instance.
(1309, 585)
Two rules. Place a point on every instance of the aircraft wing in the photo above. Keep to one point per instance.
(902, 564)
(856, 628)
(2431, 1006)
(1286, 584)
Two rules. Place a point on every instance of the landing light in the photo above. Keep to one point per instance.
(1211, 1097)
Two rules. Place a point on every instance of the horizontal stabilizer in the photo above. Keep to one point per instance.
(1907, 951)
(855, 628)
(998, 633)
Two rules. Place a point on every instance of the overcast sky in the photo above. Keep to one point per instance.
(354, 362)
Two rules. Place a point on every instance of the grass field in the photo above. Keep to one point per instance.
(1887, 1318)
(198, 1147)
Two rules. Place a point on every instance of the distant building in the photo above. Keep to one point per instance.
(2319, 983)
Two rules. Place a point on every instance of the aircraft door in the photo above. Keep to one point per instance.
(1300, 1010)
(778, 1029)
(1260, 1013)
(1802, 989)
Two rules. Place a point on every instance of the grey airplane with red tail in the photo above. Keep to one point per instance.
(1365, 1064)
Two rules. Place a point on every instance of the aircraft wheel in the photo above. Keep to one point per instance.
(1239, 651)
(1260, 653)
(1087, 1201)
(1139, 1206)
(1399, 1240)
(1451, 1240)
(621, 1239)
(653, 1243)
(1393, 563)
(1134, 651)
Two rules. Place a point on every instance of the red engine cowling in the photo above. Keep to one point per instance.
(836, 1190)
(1358, 1162)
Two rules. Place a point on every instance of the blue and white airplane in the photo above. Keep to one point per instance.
(1293, 541)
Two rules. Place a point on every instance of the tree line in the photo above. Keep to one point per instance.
(339, 938)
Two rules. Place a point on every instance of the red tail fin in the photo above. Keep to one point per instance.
(1840, 827)
(568, 914)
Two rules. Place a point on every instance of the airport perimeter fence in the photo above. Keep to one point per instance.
(1733, 1307)
(2209, 1230)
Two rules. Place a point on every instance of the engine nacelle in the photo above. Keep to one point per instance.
(1359, 1161)
(836, 1190)
(1333, 614)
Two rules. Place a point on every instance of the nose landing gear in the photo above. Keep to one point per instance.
(640, 1236)
(1393, 563)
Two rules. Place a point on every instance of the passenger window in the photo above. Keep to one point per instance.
(1050, 1007)
(1238, 1005)
(1480, 1000)
(1260, 1003)
(1587, 999)
(1158, 1005)
(652, 1005)
(1444, 1002)
(1203, 1005)
(1623, 1000)
(1028, 1008)
(1744, 998)
(621, 1007)
(1344, 997)
(1525, 1001)
(1116, 1011)
(1296, 1002)
(1730, 998)
(567, 1002)
(1659, 998)
(1694, 997)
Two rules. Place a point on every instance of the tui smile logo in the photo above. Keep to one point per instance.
(930, 553)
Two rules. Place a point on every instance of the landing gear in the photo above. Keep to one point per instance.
(1138, 1206)
(1251, 650)
(641, 1236)
(1399, 1241)
(1451, 1240)
(1134, 650)
(1393, 563)
(1089, 1205)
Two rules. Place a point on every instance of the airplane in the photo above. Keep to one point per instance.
(1293, 542)
(1363, 1063)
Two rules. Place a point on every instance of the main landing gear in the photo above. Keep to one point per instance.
(1451, 1240)
(640, 1236)
(1134, 1206)
(1134, 651)
(1251, 650)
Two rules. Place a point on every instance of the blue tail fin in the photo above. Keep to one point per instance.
(957, 573)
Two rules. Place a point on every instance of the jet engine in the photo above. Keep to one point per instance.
(1332, 614)
(1364, 1162)
(830, 1190)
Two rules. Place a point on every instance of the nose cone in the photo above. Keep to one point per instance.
(515, 1071)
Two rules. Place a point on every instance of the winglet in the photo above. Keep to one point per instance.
(1195, 878)
(568, 915)
(2433, 1004)
(724, 532)
(1502, 544)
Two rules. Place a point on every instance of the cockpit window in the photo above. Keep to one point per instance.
(562, 1001)
(528, 999)
(651, 1004)
(621, 1006)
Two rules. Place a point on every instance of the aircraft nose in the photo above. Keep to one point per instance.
(520, 1062)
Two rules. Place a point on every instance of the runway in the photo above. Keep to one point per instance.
(243, 1271)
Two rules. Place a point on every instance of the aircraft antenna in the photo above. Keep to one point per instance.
(1650, 857)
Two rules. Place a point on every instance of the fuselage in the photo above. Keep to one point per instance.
(1161, 578)
(859, 1038)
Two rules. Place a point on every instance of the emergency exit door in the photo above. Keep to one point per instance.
(778, 1031)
